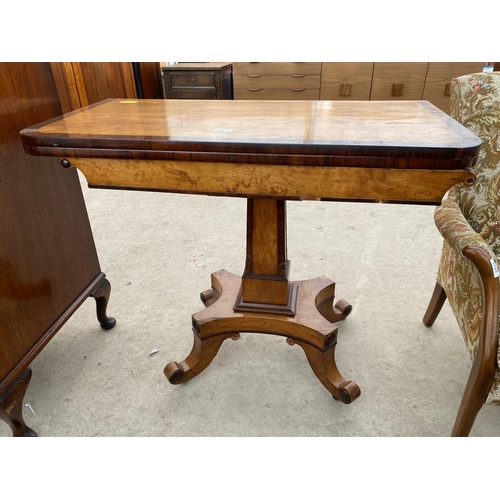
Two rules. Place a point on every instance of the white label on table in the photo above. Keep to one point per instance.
(223, 129)
(495, 268)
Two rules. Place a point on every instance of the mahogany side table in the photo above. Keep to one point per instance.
(268, 152)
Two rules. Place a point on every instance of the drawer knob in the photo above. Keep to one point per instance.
(297, 90)
(254, 76)
(345, 89)
(254, 90)
(192, 80)
(297, 76)
(397, 89)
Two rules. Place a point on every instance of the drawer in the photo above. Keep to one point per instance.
(277, 68)
(277, 81)
(194, 93)
(438, 81)
(191, 79)
(346, 81)
(276, 94)
(404, 81)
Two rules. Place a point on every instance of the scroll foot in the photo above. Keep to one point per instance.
(324, 304)
(208, 297)
(202, 354)
(324, 367)
(11, 406)
(101, 296)
(342, 309)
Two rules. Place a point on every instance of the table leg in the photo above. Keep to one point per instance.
(264, 301)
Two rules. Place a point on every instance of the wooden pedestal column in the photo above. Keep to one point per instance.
(264, 285)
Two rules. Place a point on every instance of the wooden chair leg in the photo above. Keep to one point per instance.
(481, 375)
(434, 308)
(483, 369)
(475, 394)
(478, 385)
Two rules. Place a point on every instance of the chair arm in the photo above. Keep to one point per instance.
(460, 236)
(486, 359)
(455, 229)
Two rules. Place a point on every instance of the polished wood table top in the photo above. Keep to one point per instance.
(269, 152)
(363, 135)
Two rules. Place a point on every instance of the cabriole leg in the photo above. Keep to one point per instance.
(11, 406)
(101, 296)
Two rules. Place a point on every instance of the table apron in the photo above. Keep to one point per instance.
(275, 181)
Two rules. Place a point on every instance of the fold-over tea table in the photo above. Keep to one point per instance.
(268, 152)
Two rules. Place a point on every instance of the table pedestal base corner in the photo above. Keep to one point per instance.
(312, 327)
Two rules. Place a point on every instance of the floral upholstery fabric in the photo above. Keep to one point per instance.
(470, 216)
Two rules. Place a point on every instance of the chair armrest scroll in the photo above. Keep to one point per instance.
(457, 232)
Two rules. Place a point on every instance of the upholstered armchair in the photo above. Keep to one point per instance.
(469, 221)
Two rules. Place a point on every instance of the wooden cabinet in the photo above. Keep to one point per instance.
(268, 80)
(48, 260)
(354, 81)
(398, 81)
(346, 81)
(197, 81)
(80, 84)
(438, 81)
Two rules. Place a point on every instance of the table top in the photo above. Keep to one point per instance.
(378, 134)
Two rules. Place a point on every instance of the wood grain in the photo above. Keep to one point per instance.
(411, 75)
(279, 181)
(197, 81)
(335, 75)
(389, 134)
(242, 82)
(277, 68)
(48, 260)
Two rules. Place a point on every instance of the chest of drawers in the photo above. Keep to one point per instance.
(283, 80)
(393, 81)
(197, 81)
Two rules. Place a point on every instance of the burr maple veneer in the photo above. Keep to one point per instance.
(268, 152)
